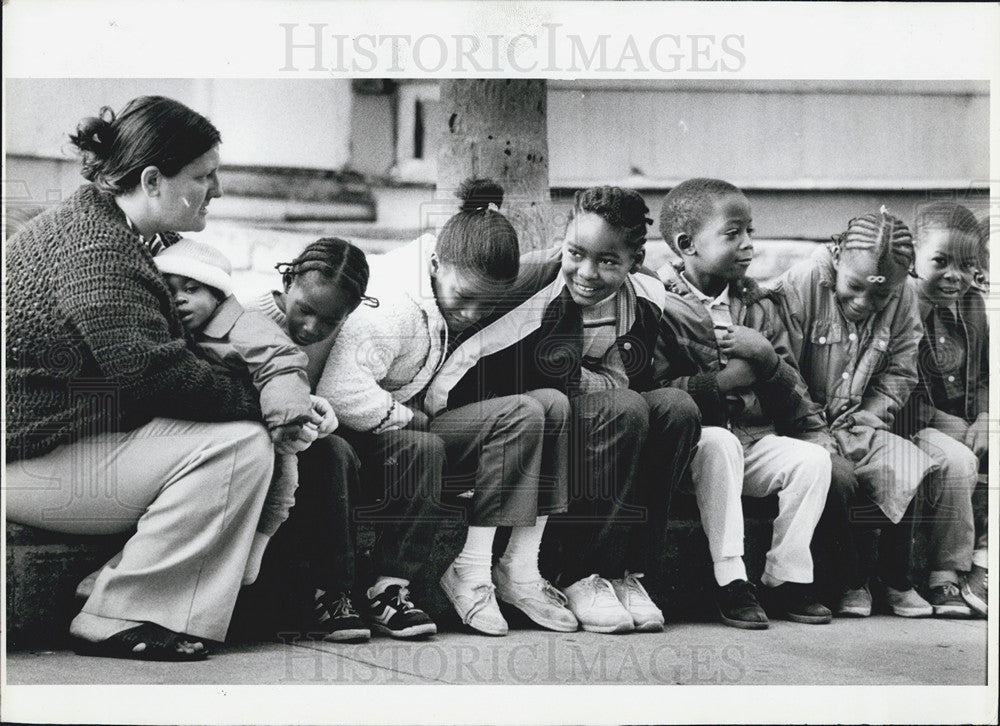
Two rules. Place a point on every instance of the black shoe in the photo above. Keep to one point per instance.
(738, 606)
(392, 613)
(796, 601)
(339, 620)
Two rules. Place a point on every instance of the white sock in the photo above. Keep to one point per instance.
(382, 582)
(252, 568)
(729, 569)
(769, 580)
(474, 561)
(520, 559)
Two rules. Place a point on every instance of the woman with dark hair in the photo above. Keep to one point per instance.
(113, 423)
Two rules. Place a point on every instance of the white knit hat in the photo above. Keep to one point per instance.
(198, 261)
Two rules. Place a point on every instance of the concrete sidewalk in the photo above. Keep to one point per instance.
(881, 650)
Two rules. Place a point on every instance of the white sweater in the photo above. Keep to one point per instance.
(385, 356)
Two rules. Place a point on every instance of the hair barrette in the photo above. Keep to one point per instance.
(370, 301)
(876, 278)
(492, 207)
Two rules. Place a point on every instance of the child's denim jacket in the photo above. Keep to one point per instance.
(940, 382)
(688, 357)
(860, 374)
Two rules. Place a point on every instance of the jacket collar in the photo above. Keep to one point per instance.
(223, 320)
(745, 290)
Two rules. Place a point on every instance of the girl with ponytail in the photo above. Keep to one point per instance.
(432, 293)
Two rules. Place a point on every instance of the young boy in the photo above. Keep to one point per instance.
(731, 355)
(946, 417)
(587, 325)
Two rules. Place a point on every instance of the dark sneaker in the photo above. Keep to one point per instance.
(795, 601)
(392, 614)
(948, 603)
(738, 606)
(339, 620)
(974, 589)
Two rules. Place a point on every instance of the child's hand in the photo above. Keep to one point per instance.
(323, 416)
(738, 373)
(976, 436)
(740, 341)
(293, 438)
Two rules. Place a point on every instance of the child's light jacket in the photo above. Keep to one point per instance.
(860, 374)
(940, 382)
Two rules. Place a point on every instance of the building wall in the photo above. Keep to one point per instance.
(760, 135)
(298, 123)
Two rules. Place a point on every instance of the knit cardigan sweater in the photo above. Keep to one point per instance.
(94, 342)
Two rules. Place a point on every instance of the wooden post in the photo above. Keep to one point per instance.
(497, 129)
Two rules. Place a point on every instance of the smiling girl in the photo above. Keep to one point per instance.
(854, 327)
(947, 416)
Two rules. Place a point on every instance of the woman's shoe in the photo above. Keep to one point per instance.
(147, 641)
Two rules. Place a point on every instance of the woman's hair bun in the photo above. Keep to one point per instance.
(93, 134)
(478, 194)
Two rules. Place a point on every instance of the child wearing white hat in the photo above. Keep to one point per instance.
(247, 342)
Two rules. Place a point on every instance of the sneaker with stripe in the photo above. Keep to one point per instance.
(391, 613)
(338, 619)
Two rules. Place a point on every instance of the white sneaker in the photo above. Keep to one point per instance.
(537, 599)
(474, 602)
(646, 617)
(908, 603)
(594, 603)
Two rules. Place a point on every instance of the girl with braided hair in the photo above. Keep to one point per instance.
(855, 329)
(500, 451)
(947, 415)
(320, 289)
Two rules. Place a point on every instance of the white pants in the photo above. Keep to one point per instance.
(722, 471)
(193, 492)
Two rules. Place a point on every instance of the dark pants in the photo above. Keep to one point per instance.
(627, 453)
(509, 452)
(400, 497)
(318, 528)
(850, 525)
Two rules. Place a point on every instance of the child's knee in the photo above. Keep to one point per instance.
(555, 404)
(814, 461)
(716, 441)
(961, 466)
(629, 410)
(673, 409)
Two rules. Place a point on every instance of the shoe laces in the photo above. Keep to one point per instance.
(402, 599)
(552, 592)
(485, 597)
(342, 607)
(601, 588)
(632, 584)
(950, 589)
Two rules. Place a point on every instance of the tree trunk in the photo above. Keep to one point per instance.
(497, 129)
